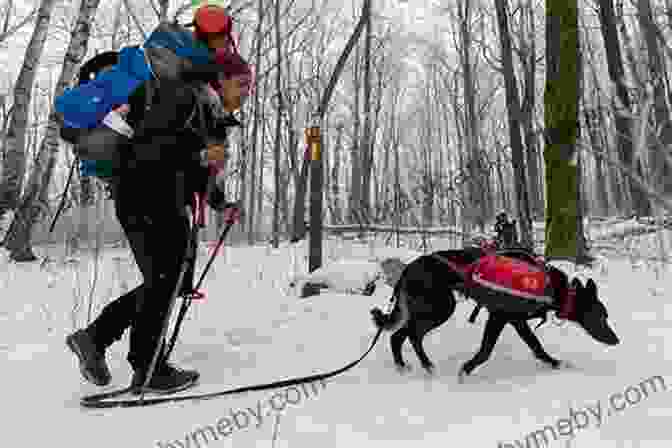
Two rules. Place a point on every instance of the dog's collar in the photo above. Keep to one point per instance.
(568, 305)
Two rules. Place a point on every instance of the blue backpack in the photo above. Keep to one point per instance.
(168, 51)
(84, 107)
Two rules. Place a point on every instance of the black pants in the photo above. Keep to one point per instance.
(156, 225)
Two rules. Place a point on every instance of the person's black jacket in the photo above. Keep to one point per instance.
(161, 142)
(162, 145)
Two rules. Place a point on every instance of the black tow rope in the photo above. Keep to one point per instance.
(104, 400)
(99, 401)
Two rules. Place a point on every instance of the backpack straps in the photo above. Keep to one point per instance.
(149, 94)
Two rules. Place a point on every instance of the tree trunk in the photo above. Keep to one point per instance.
(255, 129)
(299, 206)
(506, 203)
(286, 180)
(622, 105)
(261, 153)
(278, 127)
(513, 113)
(299, 227)
(561, 116)
(163, 10)
(35, 197)
(426, 151)
(243, 163)
(366, 148)
(355, 201)
(116, 41)
(14, 163)
(535, 183)
(397, 191)
(592, 123)
(478, 176)
(662, 178)
(335, 177)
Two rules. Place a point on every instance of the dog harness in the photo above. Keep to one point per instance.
(507, 282)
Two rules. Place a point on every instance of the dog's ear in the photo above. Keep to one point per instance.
(576, 284)
(591, 287)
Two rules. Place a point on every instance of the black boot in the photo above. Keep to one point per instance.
(92, 362)
(165, 380)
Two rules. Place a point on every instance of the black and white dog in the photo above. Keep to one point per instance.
(424, 298)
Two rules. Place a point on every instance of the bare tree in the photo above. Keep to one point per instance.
(513, 109)
(9, 29)
(366, 144)
(256, 118)
(662, 139)
(528, 58)
(14, 166)
(278, 127)
(474, 162)
(623, 108)
(18, 241)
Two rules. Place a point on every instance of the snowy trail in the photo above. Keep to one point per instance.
(248, 332)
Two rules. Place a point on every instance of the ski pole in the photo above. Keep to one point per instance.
(187, 301)
(164, 329)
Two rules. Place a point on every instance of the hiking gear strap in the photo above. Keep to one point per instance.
(474, 314)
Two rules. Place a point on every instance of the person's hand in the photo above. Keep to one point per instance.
(123, 109)
(217, 154)
(230, 93)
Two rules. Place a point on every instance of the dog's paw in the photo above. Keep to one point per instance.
(402, 368)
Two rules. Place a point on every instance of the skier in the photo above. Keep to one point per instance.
(159, 174)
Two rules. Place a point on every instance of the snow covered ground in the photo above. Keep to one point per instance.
(252, 329)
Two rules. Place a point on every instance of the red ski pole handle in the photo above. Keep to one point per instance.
(232, 214)
(199, 210)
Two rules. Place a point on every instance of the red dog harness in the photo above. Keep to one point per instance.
(512, 276)
(516, 278)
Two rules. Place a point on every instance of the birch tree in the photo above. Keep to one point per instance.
(18, 241)
(14, 166)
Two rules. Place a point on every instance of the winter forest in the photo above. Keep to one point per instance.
(436, 120)
(434, 117)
